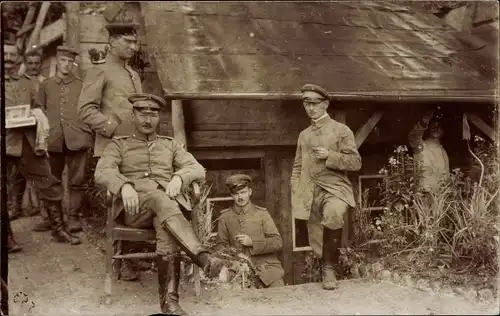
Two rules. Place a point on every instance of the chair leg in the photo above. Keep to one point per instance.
(108, 286)
(117, 263)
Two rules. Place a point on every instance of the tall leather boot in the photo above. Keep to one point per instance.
(331, 254)
(59, 232)
(169, 273)
(15, 198)
(12, 245)
(180, 228)
(74, 220)
(45, 225)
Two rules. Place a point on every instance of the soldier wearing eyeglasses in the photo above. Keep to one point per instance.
(321, 190)
(103, 104)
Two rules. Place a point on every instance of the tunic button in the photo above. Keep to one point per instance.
(109, 122)
(146, 174)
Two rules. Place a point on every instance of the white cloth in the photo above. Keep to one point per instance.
(434, 163)
(42, 131)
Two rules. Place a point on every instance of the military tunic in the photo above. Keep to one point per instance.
(148, 165)
(257, 223)
(103, 103)
(69, 138)
(20, 146)
(322, 185)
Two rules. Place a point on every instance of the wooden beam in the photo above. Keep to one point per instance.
(483, 127)
(49, 34)
(366, 129)
(73, 30)
(178, 125)
(20, 35)
(34, 37)
(179, 129)
(26, 25)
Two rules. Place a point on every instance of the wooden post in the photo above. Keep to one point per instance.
(20, 40)
(179, 129)
(178, 125)
(34, 37)
(73, 30)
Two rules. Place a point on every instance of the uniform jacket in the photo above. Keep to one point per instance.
(103, 102)
(59, 98)
(36, 81)
(18, 90)
(330, 174)
(145, 164)
(431, 158)
(257, 223)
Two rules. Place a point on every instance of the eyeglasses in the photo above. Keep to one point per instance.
(312, 101)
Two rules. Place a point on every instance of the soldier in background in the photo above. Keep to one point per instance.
(321, 190)
(21, 154)
(148, 171)
(249, 227)
(33, 62)
(69, 138)
(103, 103)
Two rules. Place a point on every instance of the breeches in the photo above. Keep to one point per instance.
(36, 169)
(328, 212)
(155, 207)
(329, 208)
(77, 163)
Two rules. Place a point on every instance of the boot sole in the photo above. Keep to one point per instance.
(41, 230)
(66, 242)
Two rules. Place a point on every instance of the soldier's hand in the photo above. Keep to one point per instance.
(245, 240)
(320, 152)
(174, 187)
(130, 199)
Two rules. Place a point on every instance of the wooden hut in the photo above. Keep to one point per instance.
(234, 70)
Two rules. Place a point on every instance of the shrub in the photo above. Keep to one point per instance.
(454, 227)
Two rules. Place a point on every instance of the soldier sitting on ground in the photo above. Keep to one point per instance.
(147, 171)
(250, 228)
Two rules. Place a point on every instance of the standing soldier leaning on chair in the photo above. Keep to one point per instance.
(103, 104)
(147, 172)
(69, 138)
(321, 190)
(22, 153)
(251, 228)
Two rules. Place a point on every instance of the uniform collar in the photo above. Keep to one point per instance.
(321, 121)
(115, 59)
(242, 210)
(145, 138)
(65, 80)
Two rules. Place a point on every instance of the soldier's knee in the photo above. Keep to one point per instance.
(161, 201)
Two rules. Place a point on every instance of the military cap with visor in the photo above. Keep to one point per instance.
(146, 102)
(66, 51)
(125, 29)
(315, 88)
(237, 182)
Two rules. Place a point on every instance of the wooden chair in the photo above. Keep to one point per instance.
(116, 233)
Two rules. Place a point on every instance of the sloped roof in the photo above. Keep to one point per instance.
(358, 48)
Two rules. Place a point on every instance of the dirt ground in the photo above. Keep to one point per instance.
(57, 279)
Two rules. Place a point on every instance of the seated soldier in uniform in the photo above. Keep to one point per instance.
(250, 228)
(147, 171)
